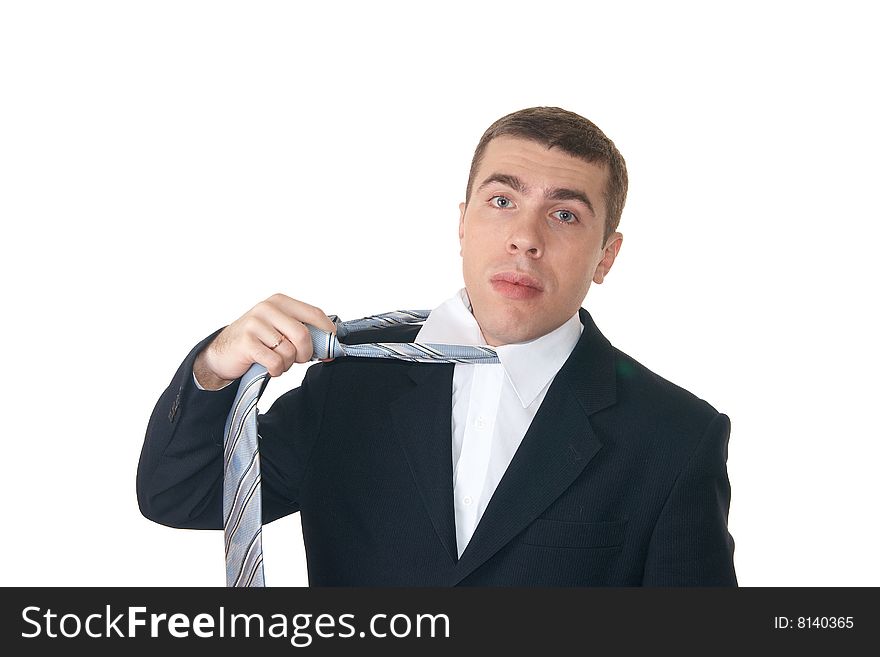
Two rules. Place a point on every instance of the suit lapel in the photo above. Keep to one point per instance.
(422, 423)
(554, 451)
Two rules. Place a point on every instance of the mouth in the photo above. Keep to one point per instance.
(516, 285)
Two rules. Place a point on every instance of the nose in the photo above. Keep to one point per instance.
(525, 237)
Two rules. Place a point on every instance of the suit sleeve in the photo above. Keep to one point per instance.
(180, 471)
(690, 545)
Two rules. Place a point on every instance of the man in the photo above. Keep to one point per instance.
(568, 463)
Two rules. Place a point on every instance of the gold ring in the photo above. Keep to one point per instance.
(277, 342)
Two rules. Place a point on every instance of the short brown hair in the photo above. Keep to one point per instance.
(573, 134)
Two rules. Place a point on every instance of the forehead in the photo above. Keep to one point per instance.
(541, 167)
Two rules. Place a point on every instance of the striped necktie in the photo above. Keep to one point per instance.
(242, 508)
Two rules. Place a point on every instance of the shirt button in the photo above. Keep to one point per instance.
(467, 500)
(480, 422)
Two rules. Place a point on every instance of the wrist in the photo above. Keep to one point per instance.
(205, 376)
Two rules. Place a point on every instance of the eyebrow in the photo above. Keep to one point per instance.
(553, 194)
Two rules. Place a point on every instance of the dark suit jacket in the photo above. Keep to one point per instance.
(621, 479)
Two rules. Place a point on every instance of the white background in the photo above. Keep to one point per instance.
(146, 147)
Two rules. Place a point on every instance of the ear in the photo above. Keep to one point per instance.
(461, 208)
(612, 247)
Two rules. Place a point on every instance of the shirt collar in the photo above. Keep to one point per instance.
(529, 366)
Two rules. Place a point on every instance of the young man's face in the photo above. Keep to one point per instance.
(530, 242)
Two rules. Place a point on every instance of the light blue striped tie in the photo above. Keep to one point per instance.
(242, 508)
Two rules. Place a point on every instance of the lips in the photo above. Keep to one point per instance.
(516, 285)
(517, 278)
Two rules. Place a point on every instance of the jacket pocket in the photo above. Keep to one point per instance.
(559, 533)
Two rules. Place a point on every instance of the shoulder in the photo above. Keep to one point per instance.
(635, 380)
(624, 384)
(658, 421)
(652, 405)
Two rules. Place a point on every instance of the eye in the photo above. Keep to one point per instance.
(565, 216)
(500, 201)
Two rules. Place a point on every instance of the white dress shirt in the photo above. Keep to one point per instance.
(492, 405)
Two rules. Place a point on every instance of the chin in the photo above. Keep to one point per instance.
(512, 330)
(506, 321)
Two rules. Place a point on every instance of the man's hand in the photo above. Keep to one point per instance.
(277, 322)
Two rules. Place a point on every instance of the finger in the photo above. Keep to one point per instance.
(295, 330)
(260, 353)
(263, 329)
(287, 350)
(260, 335)
(303, 312)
